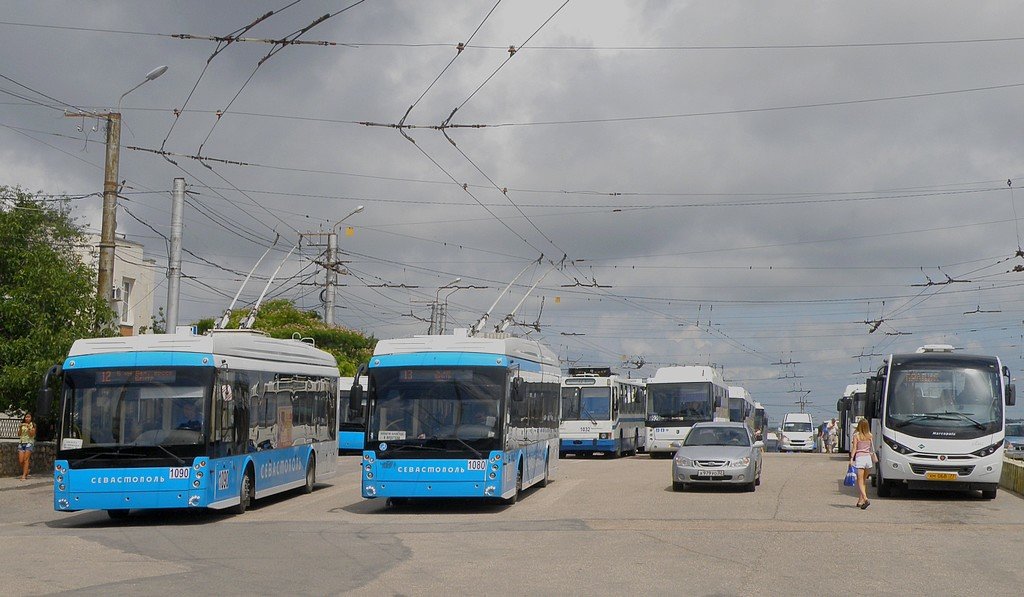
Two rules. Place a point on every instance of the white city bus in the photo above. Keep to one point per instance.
(601, 412)
(741, 406)
(851, 410)
(938, 420)
(678, 397)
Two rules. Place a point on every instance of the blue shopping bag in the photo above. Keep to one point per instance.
(851, 477)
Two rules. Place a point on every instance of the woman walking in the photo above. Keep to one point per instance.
(26, 441)
(863, 458)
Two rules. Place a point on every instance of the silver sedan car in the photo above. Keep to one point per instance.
(717, 453)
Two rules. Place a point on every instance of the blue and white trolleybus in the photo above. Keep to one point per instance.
(601, 412)
(187, 421)
(460, 416)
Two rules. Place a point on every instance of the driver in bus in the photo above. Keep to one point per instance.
(191, 417)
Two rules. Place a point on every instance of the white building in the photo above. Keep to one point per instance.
(133, 282)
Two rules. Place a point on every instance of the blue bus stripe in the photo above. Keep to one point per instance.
(139, 359)
(451, 359)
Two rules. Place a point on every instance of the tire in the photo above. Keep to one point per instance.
(244, 494)
(883, 486)
(750, 487)
(310, 475)
(123, 513)
(544, 482)
(519, 486)
(988, 494)
(678, 486)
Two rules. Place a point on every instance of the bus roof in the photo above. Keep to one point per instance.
(243, 344)
(854, 388)
(739, 392)
(685, 374)
(503, 344)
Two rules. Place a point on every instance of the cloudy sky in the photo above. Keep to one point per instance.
(742, 183)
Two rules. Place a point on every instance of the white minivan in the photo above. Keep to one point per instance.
(797, 433)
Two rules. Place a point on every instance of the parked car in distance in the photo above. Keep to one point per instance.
(1015, 439)
(718, 453)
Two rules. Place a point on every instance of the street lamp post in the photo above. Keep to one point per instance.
(108, 227)
(332, 264)
(437, 313)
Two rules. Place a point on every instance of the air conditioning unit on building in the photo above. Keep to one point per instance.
(116, 293)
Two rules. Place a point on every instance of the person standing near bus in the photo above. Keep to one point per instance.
(26, 442)
(863, 458)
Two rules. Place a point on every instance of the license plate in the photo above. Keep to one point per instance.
(931, 476)
(710, 473)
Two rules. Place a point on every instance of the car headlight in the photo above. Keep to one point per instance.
(740, 462)
(683, 461)
(989, 450)
(897, 447)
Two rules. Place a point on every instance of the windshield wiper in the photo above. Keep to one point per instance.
(171, 454)
(419, 447)
(593, 421)
(934, 416)
(98, 454)
(973, 421)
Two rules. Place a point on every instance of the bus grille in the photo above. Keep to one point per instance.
(920, 469)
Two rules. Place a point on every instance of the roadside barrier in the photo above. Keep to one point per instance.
(1013, 475)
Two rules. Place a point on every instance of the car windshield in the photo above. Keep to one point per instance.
(925, 398)
(136, 406)
(801, 426)
(717, 436)
(1015, 429)
(586, 404)
(423, 403)
(679, 401)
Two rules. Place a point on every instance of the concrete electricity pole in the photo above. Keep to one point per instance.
(332, 264)
(174, 257)
(108, 228)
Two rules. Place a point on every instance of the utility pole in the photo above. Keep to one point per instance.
(332, 264)
(174, 257)
(108, 227)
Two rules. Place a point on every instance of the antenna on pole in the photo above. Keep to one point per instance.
(223, 323)
(501, 327)
(483, 320)
(251, 319)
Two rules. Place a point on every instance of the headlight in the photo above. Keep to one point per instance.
(897, 447)
(740, 462)
(989, 450)
(683, 461)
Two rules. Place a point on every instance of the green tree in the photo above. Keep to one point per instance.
(279, 318)
(47, 294)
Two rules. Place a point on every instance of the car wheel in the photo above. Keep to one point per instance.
(678, 486)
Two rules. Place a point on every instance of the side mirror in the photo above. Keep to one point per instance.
(1011, 394)
(355, 402)
(517, 389)
(759, 445)
(871, 400)
(44, 403)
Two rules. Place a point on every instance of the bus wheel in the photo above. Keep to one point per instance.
(884, 487)
(988, 494)
(544, 481)
(122, 514)
(310, 475)
(519, 486)
(244, 494)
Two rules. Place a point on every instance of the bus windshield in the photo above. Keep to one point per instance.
(736, 409)
(456, 407)
(143, 406)
(586, 404)
(799, 426)
(953, 400)
(679, 401)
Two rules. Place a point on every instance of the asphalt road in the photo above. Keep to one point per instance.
(601, 527)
